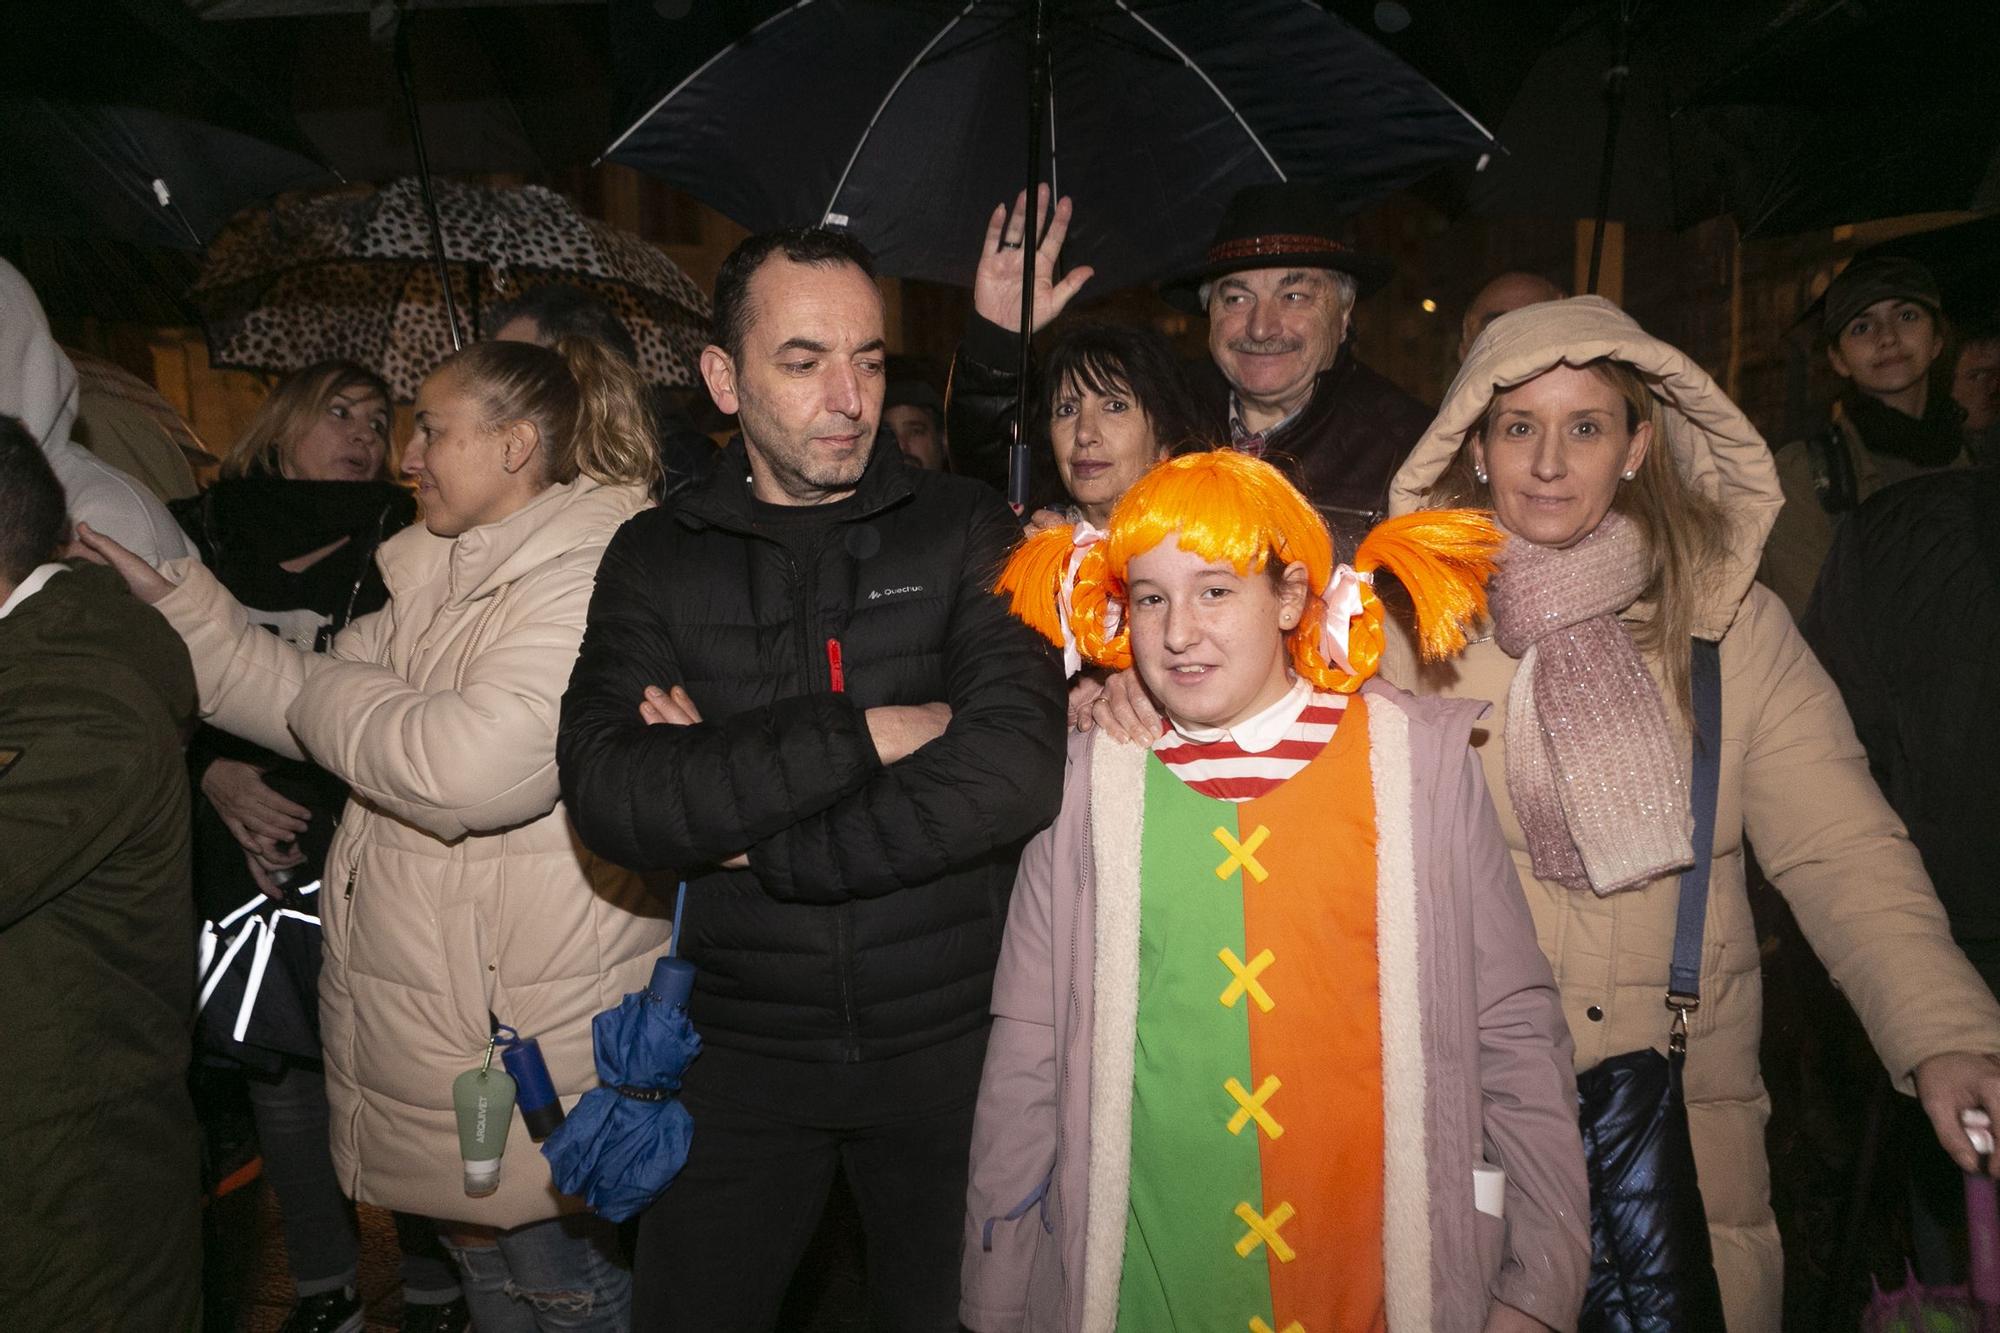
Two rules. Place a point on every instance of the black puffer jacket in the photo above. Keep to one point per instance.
(868, 923)
(1906, 619)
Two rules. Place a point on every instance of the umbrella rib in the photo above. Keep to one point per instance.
(1202, 74)
(702, 69)
(887, 98)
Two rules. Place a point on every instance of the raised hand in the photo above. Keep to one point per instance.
(996, 287)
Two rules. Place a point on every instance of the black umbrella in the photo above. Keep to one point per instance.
(904, 121)
(130, 119)
(1899, 108)
(1598, 127)
(519, 87)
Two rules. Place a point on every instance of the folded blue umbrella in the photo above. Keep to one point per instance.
(625, 1140)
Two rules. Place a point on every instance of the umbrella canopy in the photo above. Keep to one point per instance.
(1898, 104)
(520, 87)
(905, 121)
(130, 174)
(352, 275)
(130, 119)
(1668, 167)
(626, 1140)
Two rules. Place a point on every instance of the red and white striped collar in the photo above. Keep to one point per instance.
(1253, 735)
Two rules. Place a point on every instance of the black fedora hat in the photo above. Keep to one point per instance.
(1283, 224)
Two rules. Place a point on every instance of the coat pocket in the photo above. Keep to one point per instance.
(469, 970)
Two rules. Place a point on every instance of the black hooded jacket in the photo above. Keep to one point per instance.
(1906, 619)
(869, 921)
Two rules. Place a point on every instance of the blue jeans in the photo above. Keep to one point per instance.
(321, 1244)
(564, 1273)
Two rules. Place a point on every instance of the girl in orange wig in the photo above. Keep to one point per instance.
(1070, 583)
(1273, 1044)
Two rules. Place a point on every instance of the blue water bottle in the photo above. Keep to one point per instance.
(534, 1093)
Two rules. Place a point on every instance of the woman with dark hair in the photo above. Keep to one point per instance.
(290, 528)
(1114, 402)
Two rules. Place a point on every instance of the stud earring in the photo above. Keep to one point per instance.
(1630, 473)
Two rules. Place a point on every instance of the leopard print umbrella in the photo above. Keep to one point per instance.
(350, 275)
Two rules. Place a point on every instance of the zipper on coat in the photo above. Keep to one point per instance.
(818, 677)
(843, 944)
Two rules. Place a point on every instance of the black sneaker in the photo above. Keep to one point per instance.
(336, 1311)
(451, 1317)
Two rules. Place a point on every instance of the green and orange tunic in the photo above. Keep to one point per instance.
(1256, 1194)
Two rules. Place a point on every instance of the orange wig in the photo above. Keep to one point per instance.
(1236, 510)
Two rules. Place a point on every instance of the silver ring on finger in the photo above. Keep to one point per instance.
(1010, 245)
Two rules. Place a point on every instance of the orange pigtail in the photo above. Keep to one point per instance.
(1097, 610)
(1444, 558)
(1033, 577)
(1310, 656)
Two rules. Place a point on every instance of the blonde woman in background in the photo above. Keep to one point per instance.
(456, 894)
(1637, 499)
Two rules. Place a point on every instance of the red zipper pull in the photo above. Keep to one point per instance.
(833, 666)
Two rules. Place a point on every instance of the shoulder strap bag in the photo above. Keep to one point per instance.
(1651, 1269)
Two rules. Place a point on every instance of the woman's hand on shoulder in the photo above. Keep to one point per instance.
(1121, 707)
(149, 585)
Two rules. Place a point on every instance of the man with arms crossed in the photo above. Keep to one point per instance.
(797, 692)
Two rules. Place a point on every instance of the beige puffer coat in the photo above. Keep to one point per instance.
(454, 886)
(1794, 782)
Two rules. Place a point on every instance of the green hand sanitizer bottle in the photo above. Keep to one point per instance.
(484, 1101)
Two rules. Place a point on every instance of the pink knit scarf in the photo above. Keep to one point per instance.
(1591, 766)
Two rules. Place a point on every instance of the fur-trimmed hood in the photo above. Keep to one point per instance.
(1713, 443)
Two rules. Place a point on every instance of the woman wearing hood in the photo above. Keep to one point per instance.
(1636, 498)
(38, 385)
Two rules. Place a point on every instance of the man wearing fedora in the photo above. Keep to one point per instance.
(1278, 285)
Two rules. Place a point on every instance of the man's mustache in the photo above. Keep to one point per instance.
(1265, 347)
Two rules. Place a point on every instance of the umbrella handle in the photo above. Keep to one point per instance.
(408, 83)
(1038, 96)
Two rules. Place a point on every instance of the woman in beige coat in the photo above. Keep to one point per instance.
(456, 894)
(1637, 498)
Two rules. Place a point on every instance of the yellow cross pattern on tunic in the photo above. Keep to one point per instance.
(1250, 1108)
(1246, 978)
(1264, 1231)
(1259, 1326)
(1242, 855)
